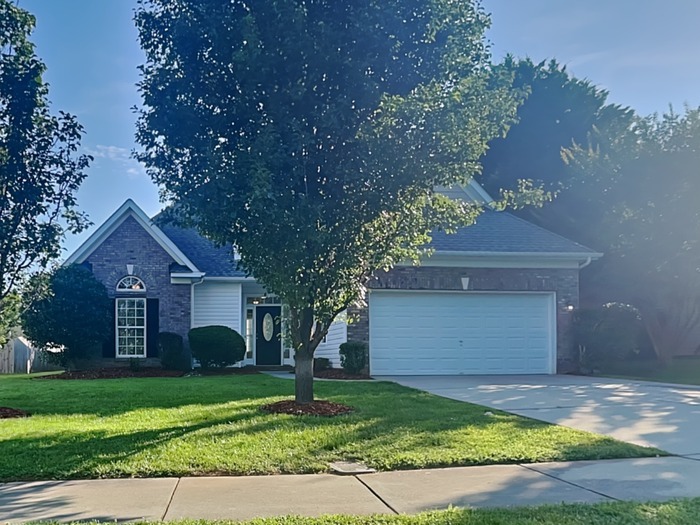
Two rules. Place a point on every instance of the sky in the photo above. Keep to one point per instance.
(645, 53)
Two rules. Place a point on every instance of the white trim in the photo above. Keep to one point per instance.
(232, 279)
(255, 332)
(582, 256)
(116, 328)
(481, 192)
(128, 209)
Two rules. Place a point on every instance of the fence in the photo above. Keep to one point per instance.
(19, 357)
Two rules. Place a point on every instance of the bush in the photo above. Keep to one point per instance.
(69, 309)
(321, 363)
(353, 356)
(612, 333)
(172, 352)
(216, 346)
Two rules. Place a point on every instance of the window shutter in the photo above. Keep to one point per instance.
(109, 347)
(152, 327)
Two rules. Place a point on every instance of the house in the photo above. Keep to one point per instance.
(494, 298)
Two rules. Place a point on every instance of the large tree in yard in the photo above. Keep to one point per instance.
(645, 194)
(40, 169)
(311, 134)
(72, 312)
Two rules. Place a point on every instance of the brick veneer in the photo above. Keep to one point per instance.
(562, 281)
(131, 244)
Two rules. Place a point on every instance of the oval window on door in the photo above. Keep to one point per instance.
(268, 326)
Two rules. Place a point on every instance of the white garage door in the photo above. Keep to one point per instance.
(429, 333)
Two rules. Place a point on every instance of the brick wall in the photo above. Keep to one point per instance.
(131, 244)
(562, 281)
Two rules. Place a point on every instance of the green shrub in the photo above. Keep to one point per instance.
(321, 363)
(70, 309)
(353, 356)
(216, 346)
(612, 333)
(172, 352)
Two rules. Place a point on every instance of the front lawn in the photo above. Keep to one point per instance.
(683, 370)
(212, 425)
(678, 512)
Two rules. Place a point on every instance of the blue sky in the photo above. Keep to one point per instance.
(646, 53)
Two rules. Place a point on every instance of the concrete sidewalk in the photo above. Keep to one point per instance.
(386, 492)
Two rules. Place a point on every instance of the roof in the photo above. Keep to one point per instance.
(214, 261)
(129, 209)
(501, 232)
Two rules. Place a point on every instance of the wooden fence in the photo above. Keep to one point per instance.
(18, 356)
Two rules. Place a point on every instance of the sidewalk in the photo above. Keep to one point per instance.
(386, 492)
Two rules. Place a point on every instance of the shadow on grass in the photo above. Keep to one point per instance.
(392, 428)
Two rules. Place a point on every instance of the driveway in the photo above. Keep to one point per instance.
(653, 414)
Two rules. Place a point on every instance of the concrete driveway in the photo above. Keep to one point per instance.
(653, 414)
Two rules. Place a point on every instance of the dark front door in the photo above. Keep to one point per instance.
(268, 340)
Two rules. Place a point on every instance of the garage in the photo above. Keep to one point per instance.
(471, 333)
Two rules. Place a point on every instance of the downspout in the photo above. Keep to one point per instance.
(588, 261)
(201, 280)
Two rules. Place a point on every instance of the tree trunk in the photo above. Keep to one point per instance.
(304, 378)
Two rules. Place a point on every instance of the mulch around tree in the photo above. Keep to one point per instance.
(339, 373)
(112, 373)
(316, 408)
(7, 413)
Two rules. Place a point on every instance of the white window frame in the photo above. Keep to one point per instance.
(130, 289)
(116, 328)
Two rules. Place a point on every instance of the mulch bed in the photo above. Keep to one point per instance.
(338, 373)
(246, 370)
(317, 408)
(113, 373)
(7, 413)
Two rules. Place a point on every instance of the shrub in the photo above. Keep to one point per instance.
(605, 335)
(353, 356)
(216, 346)
(321, 363)
(70, 310)
(172, 352)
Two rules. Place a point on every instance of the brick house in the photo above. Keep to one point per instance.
(493, 298)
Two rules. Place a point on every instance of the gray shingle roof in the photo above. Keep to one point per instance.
(502, 232)
(213, 260)
(493, 232)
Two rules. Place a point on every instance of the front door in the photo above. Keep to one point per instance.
(268, 340)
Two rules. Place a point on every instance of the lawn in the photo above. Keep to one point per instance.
(212, 425)
(679, 512)
(684, 371)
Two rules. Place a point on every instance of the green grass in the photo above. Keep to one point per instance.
(212, 425)
(678, 512)
(684, 371)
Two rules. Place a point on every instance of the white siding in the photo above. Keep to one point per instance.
(427, 333)
(337, 335)
(217, 303)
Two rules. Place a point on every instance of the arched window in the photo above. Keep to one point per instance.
(131, 283)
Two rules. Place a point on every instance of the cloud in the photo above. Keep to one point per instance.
(120, 158)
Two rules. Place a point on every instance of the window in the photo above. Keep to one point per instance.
(131, 327)
(131, 283)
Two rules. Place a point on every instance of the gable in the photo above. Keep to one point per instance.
(130, 211)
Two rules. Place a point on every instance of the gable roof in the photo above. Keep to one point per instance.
(130, 209)
(497, 232)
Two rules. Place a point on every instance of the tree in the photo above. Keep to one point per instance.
(75, 313)
(311, 133)
(645, 197)
(560, 112)
(40, 170)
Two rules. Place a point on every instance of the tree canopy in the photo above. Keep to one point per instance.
(74, 312)
(645, 195)
(40, 169)
(311, 134)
